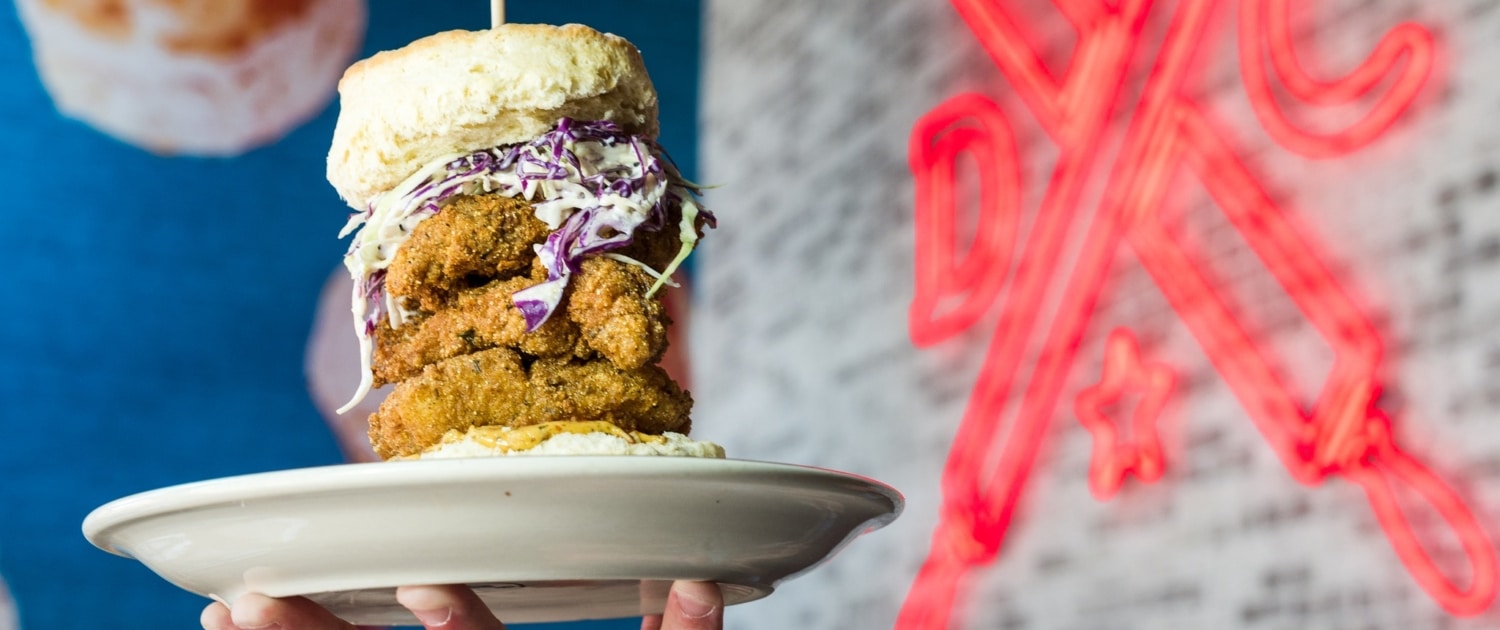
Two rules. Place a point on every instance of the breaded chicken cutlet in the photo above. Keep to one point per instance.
(516, 225)
(501, 387)
(466, 358)
(466, 306)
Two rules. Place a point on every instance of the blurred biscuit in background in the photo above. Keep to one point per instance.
(193, 77)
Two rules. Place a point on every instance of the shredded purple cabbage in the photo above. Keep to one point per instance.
(588, 231)
(374, 295)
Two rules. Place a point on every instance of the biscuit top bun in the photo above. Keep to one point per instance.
(462, 91)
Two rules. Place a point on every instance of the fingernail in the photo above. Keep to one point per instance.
(252, 623)
(693, 605)
(251, 618)
(434, 617)
(433, 605)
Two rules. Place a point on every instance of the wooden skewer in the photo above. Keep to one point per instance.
(497, 13)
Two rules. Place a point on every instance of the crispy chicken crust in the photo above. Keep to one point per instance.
(465, 359)
(502, 387)
(480, 319)
(608, 305)
(606, 314)
(473, 240)
(478, 239)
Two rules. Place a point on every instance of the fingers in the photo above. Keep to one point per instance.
(448, 608)
(691, 606)
(254, 611)
(216, 617)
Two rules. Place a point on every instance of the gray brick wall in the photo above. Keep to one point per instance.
(802, 355)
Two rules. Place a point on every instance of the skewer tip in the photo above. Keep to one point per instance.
(497, 13)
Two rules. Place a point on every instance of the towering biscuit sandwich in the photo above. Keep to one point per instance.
(516, 223)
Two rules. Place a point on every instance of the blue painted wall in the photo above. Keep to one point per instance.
(155, 310)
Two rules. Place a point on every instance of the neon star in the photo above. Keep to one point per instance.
(1103, 411)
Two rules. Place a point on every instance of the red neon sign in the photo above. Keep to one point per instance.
(1340, 431)
(1140, 452)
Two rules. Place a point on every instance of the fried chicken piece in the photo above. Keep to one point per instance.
(473, 239)
(479, 319)
(607, 301)
(503, 387)
(644, 399)
(465, 359)
(480, 389)
(479, 238)
(606, 312)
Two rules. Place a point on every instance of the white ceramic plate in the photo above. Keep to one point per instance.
(541, 538)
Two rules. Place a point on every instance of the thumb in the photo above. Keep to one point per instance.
(694, 606)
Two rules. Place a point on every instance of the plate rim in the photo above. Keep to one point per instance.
(349, 476)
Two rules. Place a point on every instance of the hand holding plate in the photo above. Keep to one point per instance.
(437, 607)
